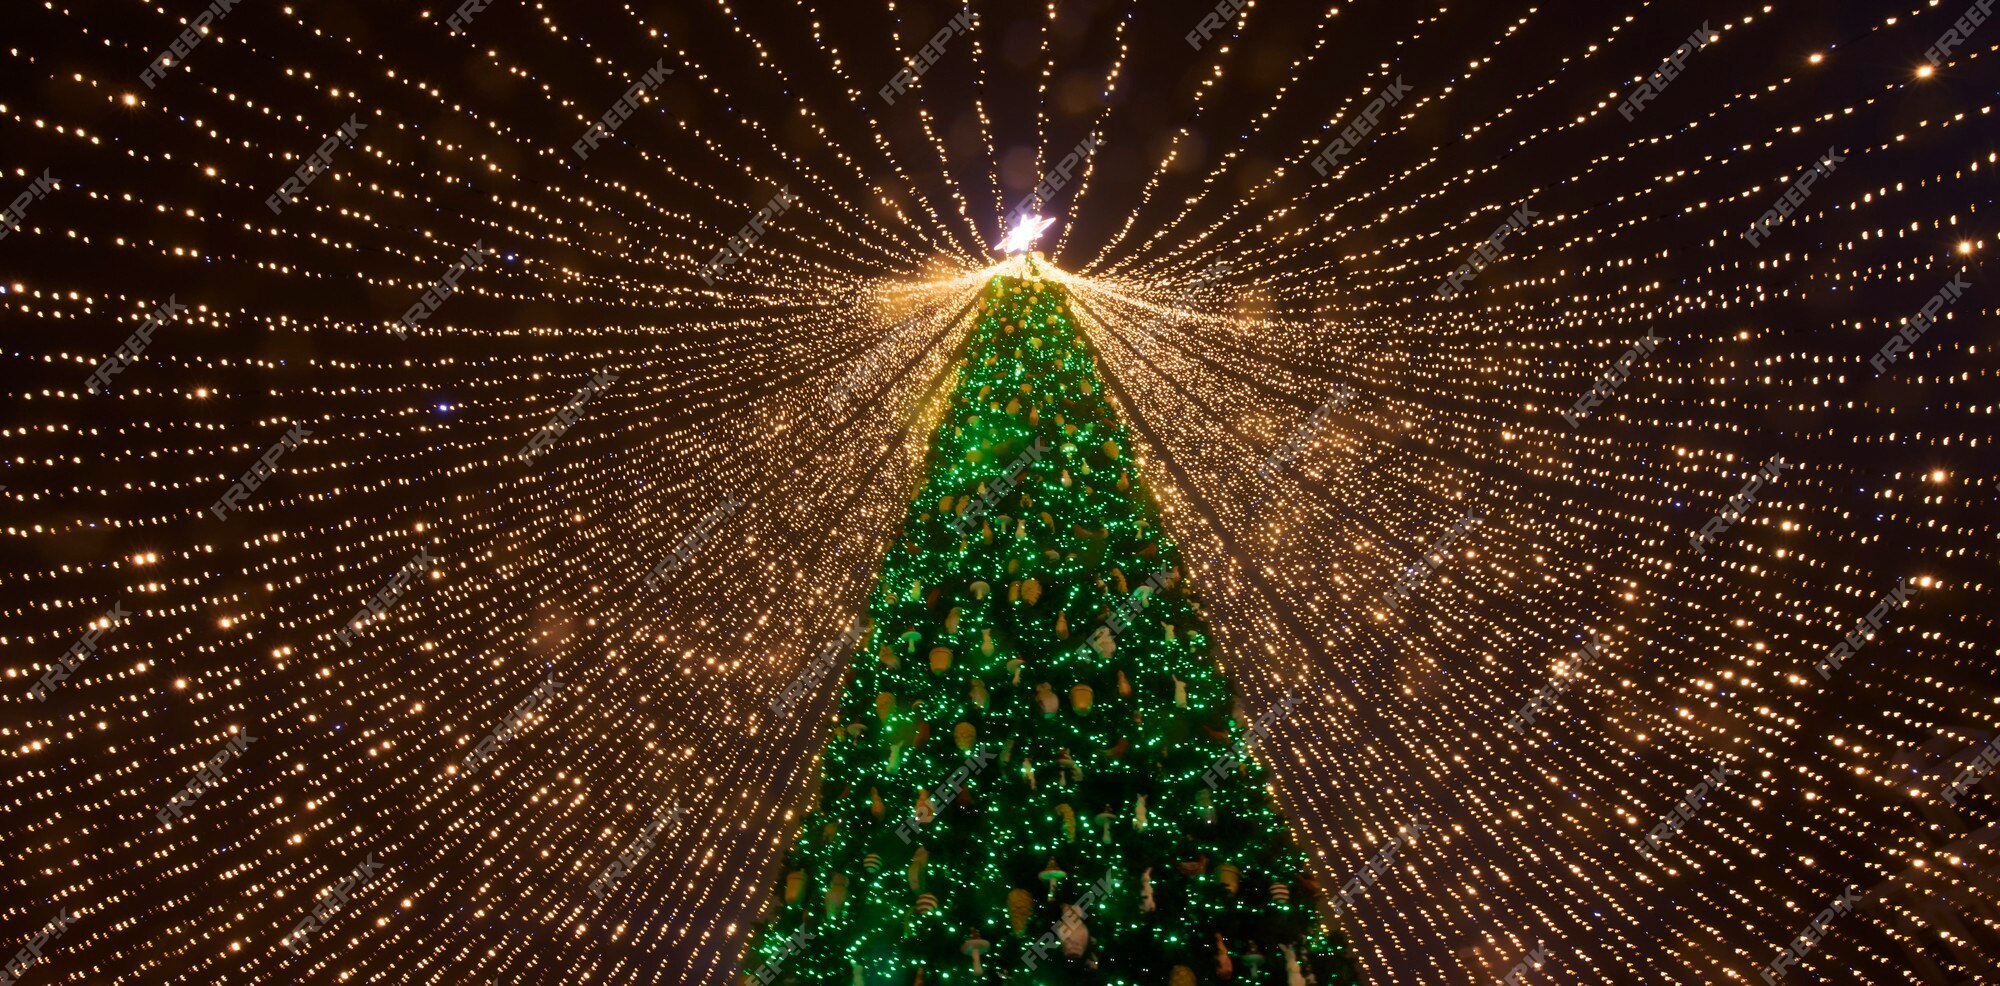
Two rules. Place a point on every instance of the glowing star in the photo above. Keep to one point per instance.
(1026, 231)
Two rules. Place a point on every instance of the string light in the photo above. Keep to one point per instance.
(731, 393)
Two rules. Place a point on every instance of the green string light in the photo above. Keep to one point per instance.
(1063, 709)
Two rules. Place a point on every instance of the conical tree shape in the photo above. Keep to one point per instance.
(1036, 777)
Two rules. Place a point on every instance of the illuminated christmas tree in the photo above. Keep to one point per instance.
(1036, 776)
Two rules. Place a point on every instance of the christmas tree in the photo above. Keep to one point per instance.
(1035, 776)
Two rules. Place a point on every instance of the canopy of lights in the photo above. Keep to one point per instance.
(448, 454)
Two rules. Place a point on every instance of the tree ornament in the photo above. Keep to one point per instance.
(1053, 874)
(1104, 820)
(1062, 626)
(978, 695)
(1068, 816)
(1079, 699)
(924, 811)
(975, 946)
(872, 862)
(875, 805)
(1031, 590)
(1020, 907)
(963, 735)
(1147, 904)
(926, 903)
(888, 657)
(1281, 893)
(1223, 967)
(940, 659)
(836, 894)
(1139, 813)
(986, 643)
(1293, 975)
(951, 620)
(1230, 878)
(885, 704)
(1045, 699)
(1181, 976)
(918, 860)
(795, 882)
(1067, 772)
(1075, 935)
(1124, 684)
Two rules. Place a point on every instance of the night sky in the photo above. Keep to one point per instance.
(487, 388)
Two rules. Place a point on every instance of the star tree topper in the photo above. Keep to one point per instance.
(1027, 229)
